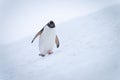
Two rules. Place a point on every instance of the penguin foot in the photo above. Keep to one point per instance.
(42, 55)
(50, 52)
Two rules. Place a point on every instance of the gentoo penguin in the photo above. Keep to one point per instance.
(47, 39)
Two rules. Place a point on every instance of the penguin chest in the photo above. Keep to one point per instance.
(47, 40)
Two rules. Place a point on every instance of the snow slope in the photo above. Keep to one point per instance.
(89, 50)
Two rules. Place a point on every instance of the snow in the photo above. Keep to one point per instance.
(22, 18)
(89, 50)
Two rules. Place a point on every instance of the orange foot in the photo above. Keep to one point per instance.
(50, 52)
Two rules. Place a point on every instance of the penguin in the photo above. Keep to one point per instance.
(47, 39)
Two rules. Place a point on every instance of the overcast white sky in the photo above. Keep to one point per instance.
(21, 18)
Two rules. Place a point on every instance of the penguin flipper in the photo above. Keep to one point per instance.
(57, 42)
(39, 33)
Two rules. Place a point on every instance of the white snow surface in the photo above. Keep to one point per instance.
(89, 50)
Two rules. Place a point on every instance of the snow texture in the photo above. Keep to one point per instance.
(89, 50)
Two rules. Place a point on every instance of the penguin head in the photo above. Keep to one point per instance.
(51, 24)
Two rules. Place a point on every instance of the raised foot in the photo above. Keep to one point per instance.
(42, 55)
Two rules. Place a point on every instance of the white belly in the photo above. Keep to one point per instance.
(47, 40)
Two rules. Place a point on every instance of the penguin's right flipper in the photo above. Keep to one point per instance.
(39, 33)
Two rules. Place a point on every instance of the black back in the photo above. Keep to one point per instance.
(51, 24)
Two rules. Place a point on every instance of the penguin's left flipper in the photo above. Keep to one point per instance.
(39, 33)
(57, 41)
